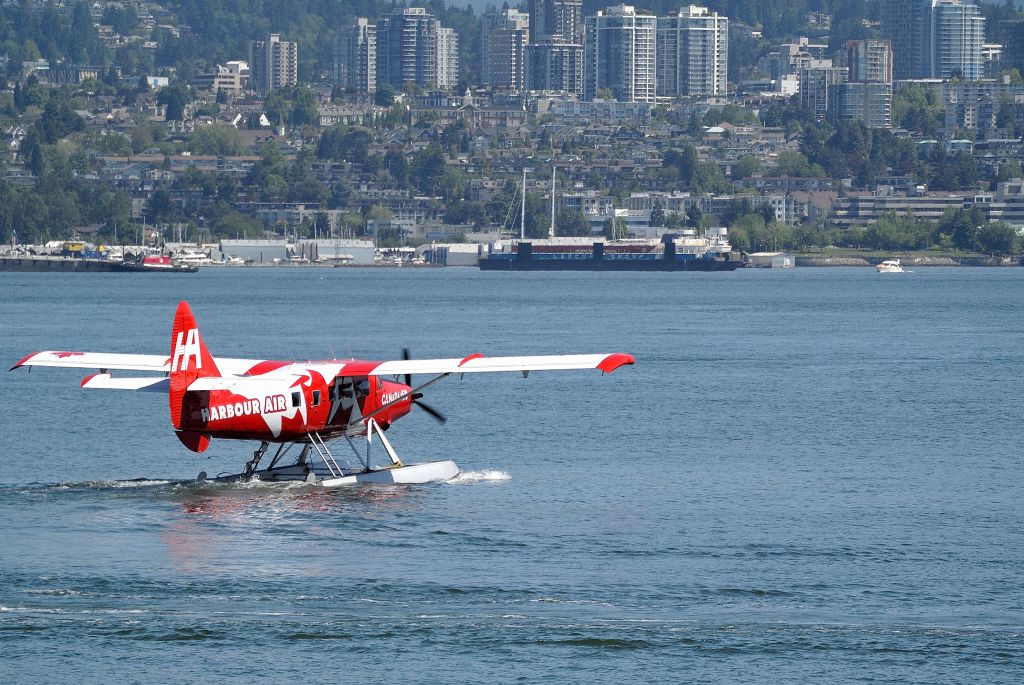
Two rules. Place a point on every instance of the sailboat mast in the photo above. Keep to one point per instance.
(522, 211)
(551, 229)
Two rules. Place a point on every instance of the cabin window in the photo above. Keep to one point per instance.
(316, 398)
(296, 398)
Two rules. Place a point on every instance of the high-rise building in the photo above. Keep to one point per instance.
(818, 79)
(555, 66)
(957, 34)
(934, 38)
(447, 58)
(867, 95)
(693, 53)
(407, 48)
(556, 19)
(503, 38)
(355, 57)
(273, 63)
(619, 49)
(869, 61)
(904, 23)
(554, 59)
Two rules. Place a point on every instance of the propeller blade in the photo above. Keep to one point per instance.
(405, 357)
(430, 410)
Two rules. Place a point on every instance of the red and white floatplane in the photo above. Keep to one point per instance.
(299, 407)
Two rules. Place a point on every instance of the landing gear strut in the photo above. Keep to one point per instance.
(250, 467)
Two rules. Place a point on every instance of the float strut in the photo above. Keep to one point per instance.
(250, 467)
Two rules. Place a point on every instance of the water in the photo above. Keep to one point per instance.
(809, 475)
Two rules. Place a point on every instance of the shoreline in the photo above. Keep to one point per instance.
(919, 261)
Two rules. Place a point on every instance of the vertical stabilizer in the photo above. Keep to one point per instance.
(189, 359)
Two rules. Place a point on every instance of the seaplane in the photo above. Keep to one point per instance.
(299, 407)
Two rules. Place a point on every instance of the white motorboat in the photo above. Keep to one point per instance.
(890, 266)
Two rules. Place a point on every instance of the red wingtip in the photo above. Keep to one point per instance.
(614, 361)
(22, 361)
(470, 357)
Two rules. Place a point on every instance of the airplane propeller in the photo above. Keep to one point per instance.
(435, 414)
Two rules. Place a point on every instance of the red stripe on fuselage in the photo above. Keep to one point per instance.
(265, 367)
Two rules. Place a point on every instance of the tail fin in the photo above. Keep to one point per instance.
(189, 359)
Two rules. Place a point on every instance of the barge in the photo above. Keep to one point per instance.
(671, 253)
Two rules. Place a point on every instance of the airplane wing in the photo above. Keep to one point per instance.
(112, 361)
(97, 360)
(251, 369)
(477, 363)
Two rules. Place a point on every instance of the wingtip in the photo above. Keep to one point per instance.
(22, 362)
(614, 361)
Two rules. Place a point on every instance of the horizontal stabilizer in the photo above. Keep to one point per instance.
(104, 381)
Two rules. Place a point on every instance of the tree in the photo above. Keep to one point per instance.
(790, 163)
(998, 239)
(963, 227)
(58, 120)
(571, 222)
(31, 152)
(305, 109)
(657, 213)
(747, 166)
(397, 165)
(174, 97)
(428, 165)
(694, 216)
(159, 207)
(216, 139)
(385, 95)
(236, 225)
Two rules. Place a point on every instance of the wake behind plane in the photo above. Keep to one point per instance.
(299, 407)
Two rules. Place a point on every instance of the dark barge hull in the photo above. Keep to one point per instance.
(589, 264)
(600, 259)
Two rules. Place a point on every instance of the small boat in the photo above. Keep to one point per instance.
(890, 266)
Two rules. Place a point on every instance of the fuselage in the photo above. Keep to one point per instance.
(292, 401)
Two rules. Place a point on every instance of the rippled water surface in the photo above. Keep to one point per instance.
(813, 475)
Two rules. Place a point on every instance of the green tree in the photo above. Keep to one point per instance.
(428, 166)
(159, 207)
(305, 108)
(58, 120)
(385, 95)
(746, 166)
(963, 227)
(397, 165)
(216, 139)
(31, 152)
(657, 213)
(998, 239)
(174, 97)
(571, 222)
